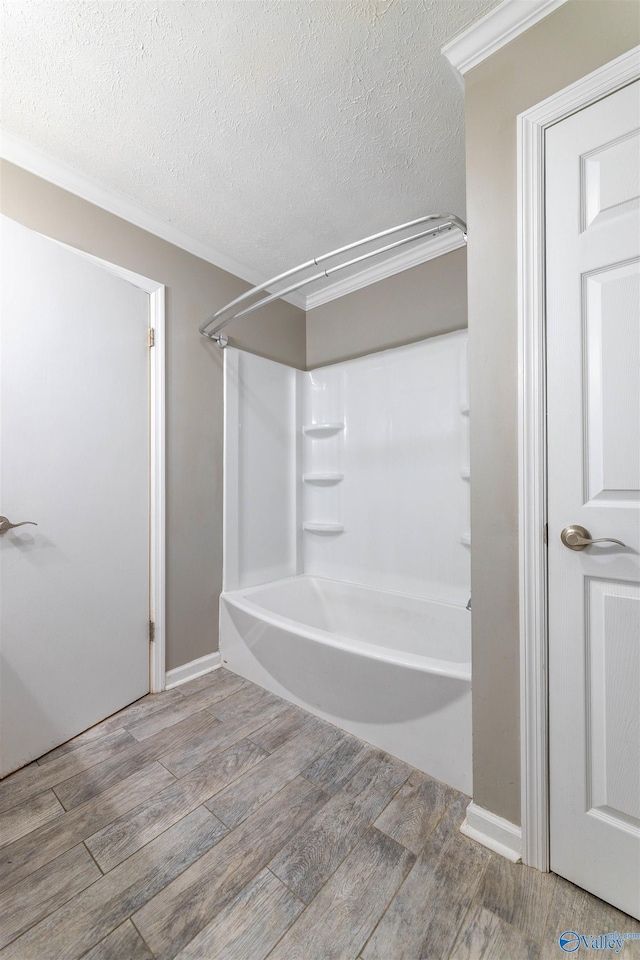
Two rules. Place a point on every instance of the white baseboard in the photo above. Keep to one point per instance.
(493, 832)
(189, 671)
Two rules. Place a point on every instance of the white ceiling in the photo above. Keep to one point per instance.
(270, 130)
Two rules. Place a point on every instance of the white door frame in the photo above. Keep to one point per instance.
(532, 440)
(157, 453)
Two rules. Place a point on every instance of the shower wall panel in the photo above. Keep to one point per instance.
(386, 491)
(261, 470)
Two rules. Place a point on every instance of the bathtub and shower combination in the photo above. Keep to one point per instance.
(346, 547)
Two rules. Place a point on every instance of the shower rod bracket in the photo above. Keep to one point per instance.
(238, 308)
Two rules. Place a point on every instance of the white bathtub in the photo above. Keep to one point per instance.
(392, 669)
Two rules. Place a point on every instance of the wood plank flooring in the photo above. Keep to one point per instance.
(215, 821)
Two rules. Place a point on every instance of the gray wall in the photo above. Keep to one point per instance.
(579, 37)
(421, 302)
(195, 289)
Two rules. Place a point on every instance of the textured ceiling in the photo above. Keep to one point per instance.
(272, 130)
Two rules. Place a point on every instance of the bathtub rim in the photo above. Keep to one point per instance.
(451, 669)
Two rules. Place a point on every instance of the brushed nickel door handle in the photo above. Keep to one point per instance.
(6, 524)
(577, 538)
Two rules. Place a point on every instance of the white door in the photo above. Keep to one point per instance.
(74, 458)
(593, 371)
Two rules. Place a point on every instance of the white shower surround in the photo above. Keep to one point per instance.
(346, 491)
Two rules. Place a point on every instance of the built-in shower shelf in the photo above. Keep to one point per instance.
(315, 527)
(326, 429)
(323, 479)
(466, 539)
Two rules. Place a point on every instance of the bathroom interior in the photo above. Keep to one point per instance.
(329, 746)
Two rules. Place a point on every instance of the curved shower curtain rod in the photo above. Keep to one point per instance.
(236, 309)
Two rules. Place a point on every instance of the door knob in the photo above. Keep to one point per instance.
(6, 524)
(577, 538)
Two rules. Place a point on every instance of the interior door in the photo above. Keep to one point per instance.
(74, 459)
(593, 373)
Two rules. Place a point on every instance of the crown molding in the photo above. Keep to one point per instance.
(419, 253)
(500, 26)
(80, 185)
(28, 157)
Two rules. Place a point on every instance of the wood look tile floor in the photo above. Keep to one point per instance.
(215, 821)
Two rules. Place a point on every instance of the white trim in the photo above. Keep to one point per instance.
(500, 26)
(420, 253)
(157, 492)
(157, 459)
(532, 504)
(491, 831)
(189, 671)
(24, 155)
(532, 439)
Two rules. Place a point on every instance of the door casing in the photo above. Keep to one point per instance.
(157, 464)
(532, 465)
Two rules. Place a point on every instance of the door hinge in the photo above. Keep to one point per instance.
(152, 337)
(545, 533)
(152, 631)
